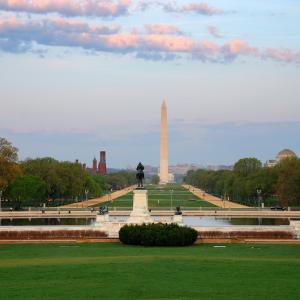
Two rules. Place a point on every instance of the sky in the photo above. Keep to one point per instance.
(81, 76)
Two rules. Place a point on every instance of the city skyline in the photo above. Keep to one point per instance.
(78, 78)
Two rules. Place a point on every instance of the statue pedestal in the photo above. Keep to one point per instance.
(140, 212)
(177, 219)
(101, 219)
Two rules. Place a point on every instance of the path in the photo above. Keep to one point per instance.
(106, 198)
(212, 199)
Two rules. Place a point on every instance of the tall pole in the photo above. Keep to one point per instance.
(258, 191)
(0, 200)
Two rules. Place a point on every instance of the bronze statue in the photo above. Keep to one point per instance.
(140, 175)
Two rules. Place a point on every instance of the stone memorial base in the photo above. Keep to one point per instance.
(178, 219)
(101, 219)
(140, 213)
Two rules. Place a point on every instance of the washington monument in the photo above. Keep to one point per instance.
(164, 160)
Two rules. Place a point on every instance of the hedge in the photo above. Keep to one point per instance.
(157, 235)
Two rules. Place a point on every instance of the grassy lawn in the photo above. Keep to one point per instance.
(160, 197)
(115, 271)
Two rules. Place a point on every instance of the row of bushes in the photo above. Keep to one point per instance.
(157, 235)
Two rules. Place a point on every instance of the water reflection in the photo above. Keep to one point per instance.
(46, 221)
(213, 221)
(189, 221)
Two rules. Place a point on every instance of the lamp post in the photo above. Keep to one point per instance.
(171, 199)
(86, 195)
(258, 191)
(0, 200)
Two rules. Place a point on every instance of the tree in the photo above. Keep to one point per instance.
(9, 168)
(46, 169)
(247, 166)
(155, 179)
(64, 180)
(119, 180)
(28, 190)
(288, 185)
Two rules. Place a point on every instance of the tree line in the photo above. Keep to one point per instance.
(249, 180)
(33, 182)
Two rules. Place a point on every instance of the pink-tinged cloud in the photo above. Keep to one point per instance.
(162, 29)
(214, 32)
(56, 25)
(121, 41)
(99, 8)
(75, 26)
(169, 43)
(239, 47)
(18, 36)
(201, 8)
(285, 55)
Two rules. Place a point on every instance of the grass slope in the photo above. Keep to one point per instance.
(160, 197)
(115, 271)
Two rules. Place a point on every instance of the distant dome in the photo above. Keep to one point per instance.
(285, 154)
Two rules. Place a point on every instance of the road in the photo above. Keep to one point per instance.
(103, 199)
(212, 199)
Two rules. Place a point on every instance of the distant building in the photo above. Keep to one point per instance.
(171, 178)
(271, 163)
(100, 168)
(285, 153)
(102, 164)
(95, 164)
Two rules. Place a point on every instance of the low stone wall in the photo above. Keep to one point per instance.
(96, 234)
(247, 232)
(246, 235)
(48, 233)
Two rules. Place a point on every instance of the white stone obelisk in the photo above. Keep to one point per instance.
(164, 159)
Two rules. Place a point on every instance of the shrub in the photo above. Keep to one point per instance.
(157, 235)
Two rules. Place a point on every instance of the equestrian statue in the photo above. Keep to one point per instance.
(140, 175)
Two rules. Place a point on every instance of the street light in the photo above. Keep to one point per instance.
(0, 200)
(171, 199)
(223, 197)
(258, 191)
(86, 195)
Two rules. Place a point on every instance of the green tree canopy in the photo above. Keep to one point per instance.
(155, 179)
(242, 183)
(247, 166)
(9, 168)
(288, 186)
(63, 179)
(26, 188)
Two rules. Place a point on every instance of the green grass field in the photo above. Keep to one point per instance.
(163, 197)
(115, 271)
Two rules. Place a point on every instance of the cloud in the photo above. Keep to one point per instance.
(281, 55)
(158, 42)
(237, 47)
(14, 28)
(97, 8)
(200, 8)
(214, 32)
(162, 29)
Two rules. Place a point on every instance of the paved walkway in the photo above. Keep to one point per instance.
(212, 199)
(106, 198)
